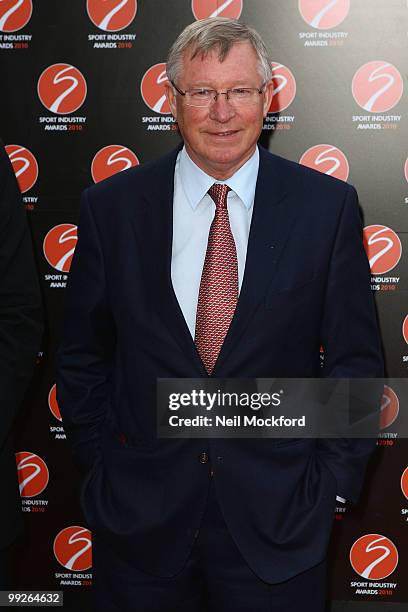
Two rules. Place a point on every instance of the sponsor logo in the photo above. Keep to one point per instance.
(404, 483)
(57, 431)
(111, 160)
(383, 248)
(324, 14)
(216, 8)
(53, 404)
(373, 556)
(153, 90)
(377, 86)
(405, 329)
(24, 165)
(59, 246)
(62, 88)
(389, 407)
(284, 88)
(33, 475)
(15, 14)
(327, 159)
(111, 15)
(73, 548)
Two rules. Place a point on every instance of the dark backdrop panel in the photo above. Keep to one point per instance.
(323, 57)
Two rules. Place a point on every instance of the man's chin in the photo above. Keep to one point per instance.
(223, 154)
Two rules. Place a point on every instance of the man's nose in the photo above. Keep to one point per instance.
(221, 110)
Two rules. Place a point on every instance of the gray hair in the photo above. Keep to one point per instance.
(219, 33)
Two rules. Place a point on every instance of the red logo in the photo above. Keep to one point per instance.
(373, 556)
(59, 246)
(110, 160)
(15, 14)
(389, 407)
(33, 475)
(327, 159)
(405, 329)
(24, 165)
(404, 482)
(406, 170)
(111, 15)
(216, 8)
(53, 404)
(383, 248)
(284, 88)
(377, 86)
(73, 548)
(324, 14)
(62, 88)
(152, 89)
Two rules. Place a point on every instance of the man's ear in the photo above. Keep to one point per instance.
(171, 98)
(268, 97)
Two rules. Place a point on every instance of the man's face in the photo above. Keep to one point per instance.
(220, 138)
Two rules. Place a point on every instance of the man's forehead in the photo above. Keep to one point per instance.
(217, 53)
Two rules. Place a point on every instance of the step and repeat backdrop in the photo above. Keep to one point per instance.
(83, 97)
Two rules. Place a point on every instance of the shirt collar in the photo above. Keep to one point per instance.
(196, 182)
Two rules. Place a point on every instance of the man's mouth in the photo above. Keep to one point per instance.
(224, 134)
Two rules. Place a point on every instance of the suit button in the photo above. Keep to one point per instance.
(203, 457)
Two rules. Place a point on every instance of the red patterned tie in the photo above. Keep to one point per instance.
(218, 293)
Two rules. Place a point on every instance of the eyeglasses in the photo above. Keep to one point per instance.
(237, 96)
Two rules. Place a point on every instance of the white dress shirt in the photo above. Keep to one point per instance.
(193, 212)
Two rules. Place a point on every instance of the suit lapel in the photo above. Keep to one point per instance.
(156, 236)
(271, 223)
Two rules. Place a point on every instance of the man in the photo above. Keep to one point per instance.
(20, 334)
(173, 277)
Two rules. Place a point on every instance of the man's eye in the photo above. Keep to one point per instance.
(241, 92)
(200, 93)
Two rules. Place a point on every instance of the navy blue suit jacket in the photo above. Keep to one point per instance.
(306, 283)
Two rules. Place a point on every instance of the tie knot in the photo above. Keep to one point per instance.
(219, 194)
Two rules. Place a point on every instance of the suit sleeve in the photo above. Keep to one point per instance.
(351, 341)
(20, 302)
(85, 355)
